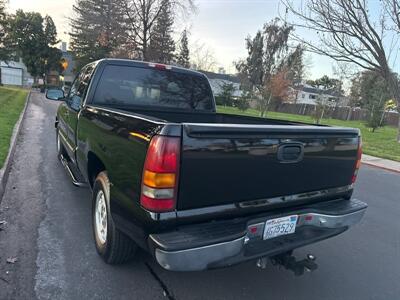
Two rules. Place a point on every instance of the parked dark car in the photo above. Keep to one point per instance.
(195, 188)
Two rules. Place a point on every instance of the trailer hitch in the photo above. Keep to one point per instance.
(289, 262)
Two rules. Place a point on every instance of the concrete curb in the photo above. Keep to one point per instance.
(381, 163)
(380, 167)
(5, 171)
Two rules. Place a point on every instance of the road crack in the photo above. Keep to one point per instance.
(167, 293)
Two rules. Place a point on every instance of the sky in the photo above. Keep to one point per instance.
(222, 25)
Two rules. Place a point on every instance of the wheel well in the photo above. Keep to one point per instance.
(95, 166)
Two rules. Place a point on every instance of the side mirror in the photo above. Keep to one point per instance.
(55, 94)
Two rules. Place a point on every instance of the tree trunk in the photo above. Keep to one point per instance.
(322, 114)
(398, 126)
(266, 106)
(395, 91)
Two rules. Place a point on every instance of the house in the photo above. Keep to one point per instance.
(307, 94)
(15, 73)
(218, 80)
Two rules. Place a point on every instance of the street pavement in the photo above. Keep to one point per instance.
(48, 231)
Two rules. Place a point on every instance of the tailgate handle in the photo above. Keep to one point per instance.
(290, 153)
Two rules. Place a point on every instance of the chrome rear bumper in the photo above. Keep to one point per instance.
(311, 227)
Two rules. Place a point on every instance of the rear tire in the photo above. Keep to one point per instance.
(111, 244)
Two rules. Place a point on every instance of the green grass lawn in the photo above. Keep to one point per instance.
(381, 143)
(12, 101)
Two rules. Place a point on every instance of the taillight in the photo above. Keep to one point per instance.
(358, 163)
(160, 174)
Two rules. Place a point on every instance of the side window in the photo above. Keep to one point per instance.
(73, 95)
(79, 87)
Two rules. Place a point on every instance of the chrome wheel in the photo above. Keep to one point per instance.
(101, 217)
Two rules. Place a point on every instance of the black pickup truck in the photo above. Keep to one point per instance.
(195, 188)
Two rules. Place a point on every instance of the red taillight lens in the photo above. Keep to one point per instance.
(163, 154)
(358, 162)
(160, 66)
(160, 174)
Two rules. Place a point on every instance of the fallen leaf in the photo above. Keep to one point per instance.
(12, 260)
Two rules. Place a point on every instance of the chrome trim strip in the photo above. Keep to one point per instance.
(233, 207)
(66, 141)
(92, 107)
(295, 197)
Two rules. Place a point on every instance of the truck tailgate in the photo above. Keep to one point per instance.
(225, 164)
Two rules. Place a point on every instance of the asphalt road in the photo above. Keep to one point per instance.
(49, 231)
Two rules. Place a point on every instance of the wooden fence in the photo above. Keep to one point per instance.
(339, 112)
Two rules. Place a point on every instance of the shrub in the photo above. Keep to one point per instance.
(242, 103)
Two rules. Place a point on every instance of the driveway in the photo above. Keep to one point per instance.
(49, 231)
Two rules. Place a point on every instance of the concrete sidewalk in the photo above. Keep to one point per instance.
(382, 163)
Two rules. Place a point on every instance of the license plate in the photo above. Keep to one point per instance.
(280, 226)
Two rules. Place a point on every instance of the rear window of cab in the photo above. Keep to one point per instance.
(129, 86)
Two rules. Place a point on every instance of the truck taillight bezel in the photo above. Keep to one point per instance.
(160, 174)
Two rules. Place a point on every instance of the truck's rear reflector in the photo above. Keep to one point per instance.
(358, 163)
(160, 174)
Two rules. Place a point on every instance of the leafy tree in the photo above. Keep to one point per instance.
(5, 43)
(390, 105)
(97, 29)
(355, 91)
(279, 87)
(5, 53)
(33, 37)
(183, 58)
(162, 45)
(267, 53)
(324, 84)
(369, 90)
(242, 103)
(227, 93)
(294, 65)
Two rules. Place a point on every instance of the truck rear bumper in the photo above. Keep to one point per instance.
(314, 223)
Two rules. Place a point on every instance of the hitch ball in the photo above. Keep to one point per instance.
(311, 257)
(262, 262)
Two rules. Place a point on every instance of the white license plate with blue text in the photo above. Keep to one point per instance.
(280, 226)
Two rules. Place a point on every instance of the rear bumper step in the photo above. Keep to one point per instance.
(188, 249)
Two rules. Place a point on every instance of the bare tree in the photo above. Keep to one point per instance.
(202, 57)
(347, 33)
(141, 16)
